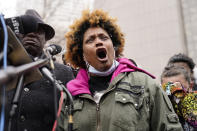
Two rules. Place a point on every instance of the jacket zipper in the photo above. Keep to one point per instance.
(98, 109)
(98, 116)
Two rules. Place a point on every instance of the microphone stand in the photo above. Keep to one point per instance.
(61, 87)
(11, 72)
(58, 84)
(15, 100)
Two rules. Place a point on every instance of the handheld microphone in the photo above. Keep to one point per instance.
(54, 49)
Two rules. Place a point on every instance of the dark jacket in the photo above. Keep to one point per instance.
(36, 106)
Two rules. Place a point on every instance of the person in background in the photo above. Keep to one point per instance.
(74, 70)
(185, 61)
(195, 77)
(110, 92)
(176, 82)
(36, 109)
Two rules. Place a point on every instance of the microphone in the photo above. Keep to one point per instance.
(54, 49)
(16, 24)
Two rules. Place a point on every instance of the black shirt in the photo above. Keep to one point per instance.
(99, 83)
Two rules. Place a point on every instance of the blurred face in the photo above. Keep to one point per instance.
(98, 48)
(179, 78)
(34, 42)
(184, 65)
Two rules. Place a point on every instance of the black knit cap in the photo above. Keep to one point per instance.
(32, 21)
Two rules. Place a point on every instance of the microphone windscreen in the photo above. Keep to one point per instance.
(58, 48)
(16, 24)
(54, 49)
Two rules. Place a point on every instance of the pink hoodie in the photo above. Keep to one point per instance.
(80, 84)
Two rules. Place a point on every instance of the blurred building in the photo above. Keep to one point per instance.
(189, 9)
(155, 29)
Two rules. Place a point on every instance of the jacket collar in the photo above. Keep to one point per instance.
(80, 84)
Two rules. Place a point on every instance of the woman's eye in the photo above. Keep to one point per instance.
(89, 41)
(104, 37)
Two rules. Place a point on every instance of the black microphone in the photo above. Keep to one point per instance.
(16, 24)
(54, 49)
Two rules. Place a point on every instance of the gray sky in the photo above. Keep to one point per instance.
(7, 7)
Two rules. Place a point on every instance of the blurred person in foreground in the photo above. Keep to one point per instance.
(186, 62)
(176, 82)
(36, 105)
(110, 92)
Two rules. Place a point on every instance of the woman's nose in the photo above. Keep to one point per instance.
(98, 42)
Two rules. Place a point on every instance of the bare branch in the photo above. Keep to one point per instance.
(51, 11)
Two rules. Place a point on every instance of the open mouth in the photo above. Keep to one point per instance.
(101, 53)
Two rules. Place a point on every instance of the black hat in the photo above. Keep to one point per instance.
(32, 20)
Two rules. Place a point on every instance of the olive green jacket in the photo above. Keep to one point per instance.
(132, 102)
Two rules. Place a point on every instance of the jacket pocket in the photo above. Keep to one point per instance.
(128, 105)
(78, 106)
(174, 128)
(173, 118)
(126, 93)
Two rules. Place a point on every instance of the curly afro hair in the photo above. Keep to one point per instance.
(74, 38)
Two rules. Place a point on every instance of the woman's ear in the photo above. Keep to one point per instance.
(87, 64)
(115, 50)
(84, 58)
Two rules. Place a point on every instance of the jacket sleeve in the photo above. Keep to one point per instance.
(163, 117)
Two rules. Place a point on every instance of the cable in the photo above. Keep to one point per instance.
(4, 66)
(59, 111)
(54, 92)
(53, 81)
